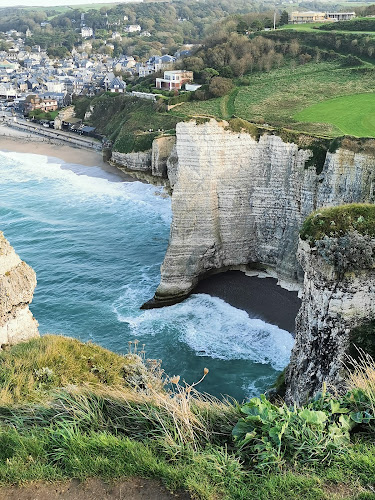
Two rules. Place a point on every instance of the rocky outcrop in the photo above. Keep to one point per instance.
(338, 296)
(240, 200)
(152, 162)
(139, 162)
(17, 284)
(161, 151)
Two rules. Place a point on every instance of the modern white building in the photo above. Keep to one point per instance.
(340, 16)
(173, 80)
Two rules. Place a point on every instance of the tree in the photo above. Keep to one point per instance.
(242, 27)
(209, 73)
(220, 86)
(193, 63)
(284, 18)
(256, 25)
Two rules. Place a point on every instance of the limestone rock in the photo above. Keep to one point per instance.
(161, 150)
(172, 166)
(240, 201)
(335, 300)
(140, 162)
(17, 284)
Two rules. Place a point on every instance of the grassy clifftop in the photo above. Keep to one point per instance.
(74, 410)
(338, 221)
(280, 96)
(30, 371)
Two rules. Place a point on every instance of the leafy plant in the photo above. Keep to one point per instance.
(270, 435)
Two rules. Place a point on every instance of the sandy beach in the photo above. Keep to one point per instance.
(18, 141)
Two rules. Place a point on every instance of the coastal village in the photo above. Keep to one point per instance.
(36, 85)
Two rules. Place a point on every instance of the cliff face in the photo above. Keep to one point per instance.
(338, 295)
(17, 284)
(238, 201)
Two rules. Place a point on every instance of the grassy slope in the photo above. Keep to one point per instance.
(30, 370)
(313, 27)
(277, 96)
(108, 431)
(127, 120)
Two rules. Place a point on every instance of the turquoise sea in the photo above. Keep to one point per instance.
(96, 245)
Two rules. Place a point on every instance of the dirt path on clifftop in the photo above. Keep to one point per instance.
(92, 489)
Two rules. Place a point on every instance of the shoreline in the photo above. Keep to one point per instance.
(18, 141)
(259, 297)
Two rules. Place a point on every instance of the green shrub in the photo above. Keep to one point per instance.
(338, 221)
(185, 97)
(269, 436)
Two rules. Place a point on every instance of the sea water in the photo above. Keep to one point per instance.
(96, 245)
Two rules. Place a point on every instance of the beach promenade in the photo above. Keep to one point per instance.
(62, 136)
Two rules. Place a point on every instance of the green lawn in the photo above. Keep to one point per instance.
(352, 114)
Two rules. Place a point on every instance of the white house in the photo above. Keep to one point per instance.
(173, 80)
(132, 28)
(86, 32)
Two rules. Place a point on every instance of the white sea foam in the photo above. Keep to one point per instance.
(211, 327)
(36, 168)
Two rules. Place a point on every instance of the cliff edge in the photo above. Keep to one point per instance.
(240, 197)
(17, 284)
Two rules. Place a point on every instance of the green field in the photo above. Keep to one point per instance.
(313, 27)
(277, 98)
(353, 114)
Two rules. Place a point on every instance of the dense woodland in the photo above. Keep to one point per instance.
(170, 24)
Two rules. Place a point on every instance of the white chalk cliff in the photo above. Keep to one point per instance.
(17, 284)
(238, 200)
(338, 296)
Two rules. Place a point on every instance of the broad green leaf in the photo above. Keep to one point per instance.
(241, 428)
(337, 408)
(357, 417)
(346, 423)
(313, 417)
(248, 437)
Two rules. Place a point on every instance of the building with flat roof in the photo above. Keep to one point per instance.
(307, 17)
(319, 17)
(174, 79)
(340, 16)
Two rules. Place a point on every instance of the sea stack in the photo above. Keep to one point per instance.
(337, 253)
(241, 194)
(17, 284)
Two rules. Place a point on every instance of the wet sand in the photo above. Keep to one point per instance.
(259, 297)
